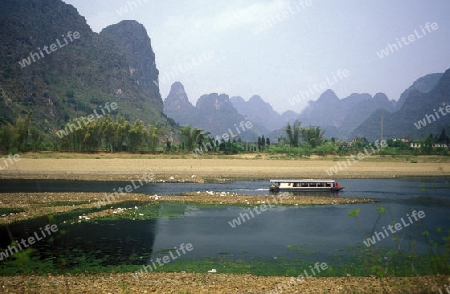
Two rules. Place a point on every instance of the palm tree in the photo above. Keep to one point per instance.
(192, 137)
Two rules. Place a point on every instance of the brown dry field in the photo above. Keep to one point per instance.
(118, 167)
(115, 167)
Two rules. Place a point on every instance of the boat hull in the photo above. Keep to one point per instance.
(306, 189)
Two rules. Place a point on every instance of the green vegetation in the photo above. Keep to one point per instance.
(383, 261)
(4, 210)
(345, 262)
(116, 134)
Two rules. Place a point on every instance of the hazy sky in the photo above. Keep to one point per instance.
(280, 48)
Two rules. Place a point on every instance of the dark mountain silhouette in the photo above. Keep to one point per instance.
(44, 68)
(424, 84)
(428, 108)
(132, 39)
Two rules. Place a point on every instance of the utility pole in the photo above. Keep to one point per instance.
(381, 123)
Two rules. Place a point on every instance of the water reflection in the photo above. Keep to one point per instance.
(316, 232)
(102, 243)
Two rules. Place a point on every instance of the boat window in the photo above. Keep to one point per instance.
(304, 184)
(320, 184)
(312, 184)
(328, 184)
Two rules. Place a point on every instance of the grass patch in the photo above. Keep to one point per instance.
(346, 262)
(6, 211)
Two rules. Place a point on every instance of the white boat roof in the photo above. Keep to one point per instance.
(302, 181)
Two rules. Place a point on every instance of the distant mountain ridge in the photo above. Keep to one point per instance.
(213, 113)
(339, 117)
(428, 108)
(261, 112)
(178, 106)
(343, 118)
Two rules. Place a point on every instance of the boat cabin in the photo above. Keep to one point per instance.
(305, 185)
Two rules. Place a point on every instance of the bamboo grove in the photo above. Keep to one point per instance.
(111, 136)
(103, 134)
(116, 134)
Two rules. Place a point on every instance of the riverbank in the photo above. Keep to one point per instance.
(215, 283)
(106, 167)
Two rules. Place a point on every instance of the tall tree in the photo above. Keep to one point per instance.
(121, 133)
(153, 136)
(443, 138)
(22, 126)
(8, 136)
(36, 138)
(137, 136)
(186, 135)
(293, 133)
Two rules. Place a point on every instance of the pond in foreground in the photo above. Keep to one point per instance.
(307, 234)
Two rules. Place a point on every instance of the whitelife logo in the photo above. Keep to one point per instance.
(237, 221)
(208, 146)
(53, 47)
(360, 156)
(10, 158)
(31, 240)
(165, 259)
(184, 68)
(423, 123)
(131, 5)
(397, 226)
(293, 9)
(318, 88)
(411, 38)
(70, 127)
(146, 177)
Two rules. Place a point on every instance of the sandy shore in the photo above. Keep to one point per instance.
(109, 169)
(215, 283)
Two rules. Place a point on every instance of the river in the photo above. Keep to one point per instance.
(317, 233)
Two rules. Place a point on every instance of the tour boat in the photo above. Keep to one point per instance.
(305, 185)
